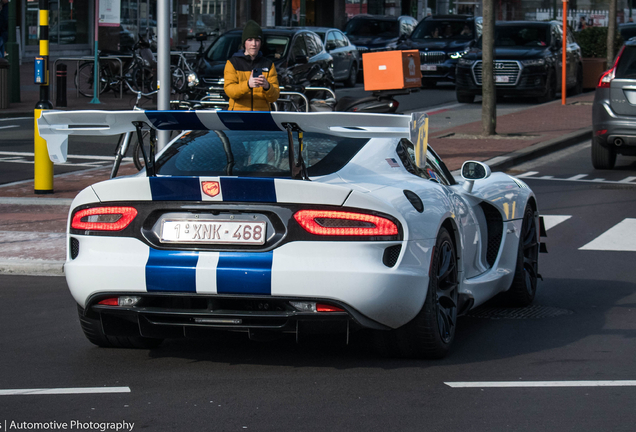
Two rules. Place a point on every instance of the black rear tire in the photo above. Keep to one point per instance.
(431, 333)
(465, 97)
(524, 285)
(353, 76)
(93, 331)
(602, 157)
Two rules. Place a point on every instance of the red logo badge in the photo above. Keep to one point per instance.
(211, 188)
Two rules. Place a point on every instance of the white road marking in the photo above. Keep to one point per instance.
(56, 391)
(576, 177)
(523, 384)
(85, 157)
(9, 127)
(527, 174)
(621, 237)
(16, 118)
(550, 221)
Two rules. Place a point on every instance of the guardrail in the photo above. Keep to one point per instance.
(92, 58)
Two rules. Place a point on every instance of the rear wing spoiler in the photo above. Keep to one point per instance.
(56, 126)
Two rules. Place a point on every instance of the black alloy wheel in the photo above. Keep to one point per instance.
(524, 285)
(431, 333)
(550, 89)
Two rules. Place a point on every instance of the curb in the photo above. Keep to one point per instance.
(501, 163)
(32, 268)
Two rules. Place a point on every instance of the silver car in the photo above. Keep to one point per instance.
(614, 110)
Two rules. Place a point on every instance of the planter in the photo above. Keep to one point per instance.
(593, 68)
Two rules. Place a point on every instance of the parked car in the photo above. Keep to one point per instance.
(298, 54)
(242, 225)
(346, 58)
(614, 110)
(442, 40)
(64, 32)
(528, 62)
(379, 32)
(627, 31)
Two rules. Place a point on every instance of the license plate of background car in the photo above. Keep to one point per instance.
(213, 232)
(428, 67)
(502, 79)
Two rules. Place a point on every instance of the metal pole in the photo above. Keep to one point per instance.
(95, 99)
(611, 32)
(488, 89)
(14, 56)
(42, 166)
(564, 54)
(163, 65)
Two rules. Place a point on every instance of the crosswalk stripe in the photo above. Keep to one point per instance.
(527, 174)
(550, 221)
(621, 237)
(628, 179)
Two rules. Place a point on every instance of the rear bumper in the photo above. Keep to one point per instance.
(610, 129)
(351, 274)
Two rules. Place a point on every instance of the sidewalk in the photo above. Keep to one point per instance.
(32, 227)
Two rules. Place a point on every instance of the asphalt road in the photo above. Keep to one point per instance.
(581, 328)
(16, 134)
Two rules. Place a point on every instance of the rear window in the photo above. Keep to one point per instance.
(254, 154)
(626, 67)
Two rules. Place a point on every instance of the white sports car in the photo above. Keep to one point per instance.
(291, 223)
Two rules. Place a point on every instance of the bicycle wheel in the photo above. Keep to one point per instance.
(144, 80)
(178, 79)
(84, 80)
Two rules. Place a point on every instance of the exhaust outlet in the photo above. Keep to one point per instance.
(618, 142)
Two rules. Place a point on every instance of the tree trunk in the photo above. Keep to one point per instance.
(488, 90)
(611, 33)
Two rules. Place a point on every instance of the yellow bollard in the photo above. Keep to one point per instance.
(43, 167)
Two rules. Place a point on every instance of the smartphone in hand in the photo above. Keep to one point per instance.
(257, 72)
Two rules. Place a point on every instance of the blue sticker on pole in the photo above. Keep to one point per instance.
(39, 71)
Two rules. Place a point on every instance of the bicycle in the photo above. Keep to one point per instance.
(138, 72)
(180, 71)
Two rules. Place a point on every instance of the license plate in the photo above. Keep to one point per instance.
(213, 232)
(428, 67)
(502, 79)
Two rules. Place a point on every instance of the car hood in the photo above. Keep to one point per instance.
(438, 45)
(504, 53)
(372, 42)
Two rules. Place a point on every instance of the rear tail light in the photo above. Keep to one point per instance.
(315, 307)
(600, 132)
(103, 218)
(340, 223)
(120, 301)
(608, 76)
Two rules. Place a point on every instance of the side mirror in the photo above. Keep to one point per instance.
(331, 45)
(473, 170)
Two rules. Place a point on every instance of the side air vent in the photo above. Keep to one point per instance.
(414, 200)
(391, 255)
(494, 225)
(74, 247)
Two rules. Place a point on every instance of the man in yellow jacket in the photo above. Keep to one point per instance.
(251, 81)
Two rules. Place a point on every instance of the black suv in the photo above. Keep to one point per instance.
(527, 62)
(442, 40)
(298, 54)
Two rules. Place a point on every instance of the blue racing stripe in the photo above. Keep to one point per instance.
(248, 120)
(248, 189)
(171, 271)
(175, 120)
(175, 188)
(244, 273)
